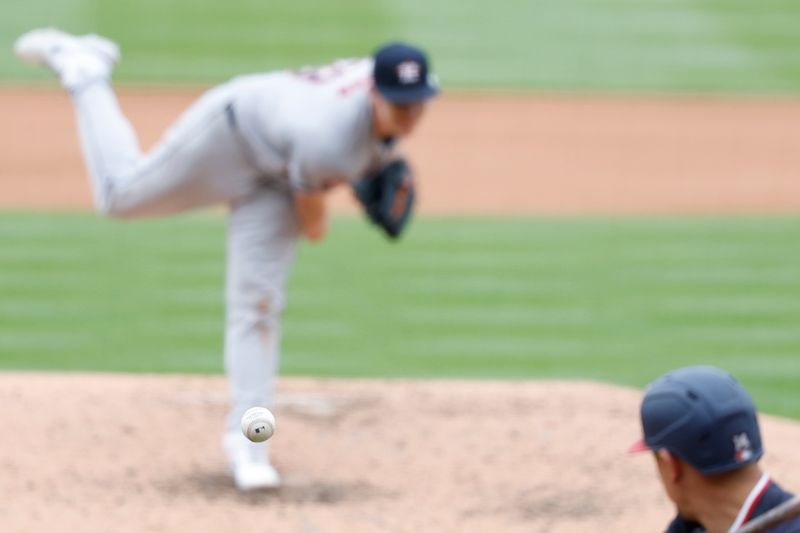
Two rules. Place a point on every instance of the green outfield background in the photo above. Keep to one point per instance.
(620, 300)
(613, 299)
(731, 45)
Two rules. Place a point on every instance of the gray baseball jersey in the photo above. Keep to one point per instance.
(309, 127)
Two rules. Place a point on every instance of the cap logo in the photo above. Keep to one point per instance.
(408, 72)
(742, 447)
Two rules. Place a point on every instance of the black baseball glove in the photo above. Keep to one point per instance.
(388, 196)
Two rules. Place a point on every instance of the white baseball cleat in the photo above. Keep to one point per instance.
(256, 476)
(76, 60)
(248, 464)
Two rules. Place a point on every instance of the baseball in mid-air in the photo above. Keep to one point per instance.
(258, 424)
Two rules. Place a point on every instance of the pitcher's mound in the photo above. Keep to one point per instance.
(141, 453)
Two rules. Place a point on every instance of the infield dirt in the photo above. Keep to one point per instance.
(87, 453)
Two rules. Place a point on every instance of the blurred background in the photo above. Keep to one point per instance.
(609, 189)
(609, 45)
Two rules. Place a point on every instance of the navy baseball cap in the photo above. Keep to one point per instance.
(401, 74)
(703, 415)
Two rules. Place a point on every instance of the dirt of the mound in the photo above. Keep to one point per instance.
(88, 453)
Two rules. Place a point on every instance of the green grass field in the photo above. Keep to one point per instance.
(620, 300)
(617, 45)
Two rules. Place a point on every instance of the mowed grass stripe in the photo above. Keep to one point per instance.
(612, 299)
(727, 45)
(614, 44)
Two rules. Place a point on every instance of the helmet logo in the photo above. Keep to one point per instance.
(408, 72)
(742, 447)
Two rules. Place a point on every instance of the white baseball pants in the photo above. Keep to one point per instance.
(201, 162)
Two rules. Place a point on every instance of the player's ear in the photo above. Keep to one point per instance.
(671, 467)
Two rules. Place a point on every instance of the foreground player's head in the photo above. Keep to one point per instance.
(704, 416)
(403, 86)
(702, 426)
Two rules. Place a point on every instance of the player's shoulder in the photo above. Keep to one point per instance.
(774, 497)
(339, 78)
(335, 68)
